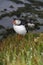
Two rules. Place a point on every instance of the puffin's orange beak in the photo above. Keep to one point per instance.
(13, 22)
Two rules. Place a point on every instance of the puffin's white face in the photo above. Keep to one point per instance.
(16, 22)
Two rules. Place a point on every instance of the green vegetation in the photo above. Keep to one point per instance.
(27, 51)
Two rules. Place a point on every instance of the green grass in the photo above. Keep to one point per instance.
(27, 51)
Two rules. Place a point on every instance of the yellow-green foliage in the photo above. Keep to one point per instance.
(27, 51)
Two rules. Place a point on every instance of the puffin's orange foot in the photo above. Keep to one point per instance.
(20, 37)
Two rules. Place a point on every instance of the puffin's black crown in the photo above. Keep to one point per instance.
(15, 18)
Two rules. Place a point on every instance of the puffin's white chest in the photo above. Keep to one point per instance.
(20, 29)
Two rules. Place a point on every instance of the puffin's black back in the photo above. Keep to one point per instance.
(24, 22)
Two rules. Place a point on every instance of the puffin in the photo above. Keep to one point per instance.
(21, 27)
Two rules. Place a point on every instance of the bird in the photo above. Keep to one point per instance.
(21, 26)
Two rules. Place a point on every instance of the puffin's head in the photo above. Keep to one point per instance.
(16, 22)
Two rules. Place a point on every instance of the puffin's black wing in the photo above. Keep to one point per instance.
(24, 22)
